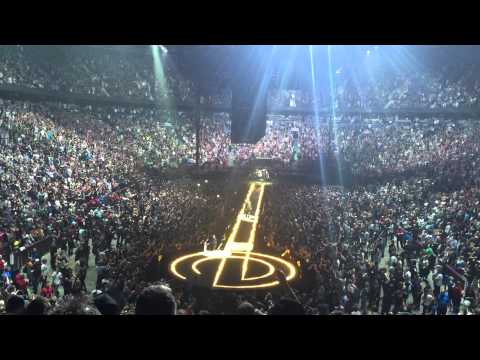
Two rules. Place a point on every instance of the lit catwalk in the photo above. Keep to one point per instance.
(237, 265)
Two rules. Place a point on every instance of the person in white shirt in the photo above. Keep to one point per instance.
(56, 281)
(447, 229)
(465, 308)
(393, 260)
(44, 271)
(292, 102)
(427, 302)
(408, 276)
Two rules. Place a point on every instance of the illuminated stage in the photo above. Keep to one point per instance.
(236, 266)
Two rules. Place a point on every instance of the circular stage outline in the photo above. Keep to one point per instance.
(250, 256)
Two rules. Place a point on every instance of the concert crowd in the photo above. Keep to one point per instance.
(107, 73)
(95, 200)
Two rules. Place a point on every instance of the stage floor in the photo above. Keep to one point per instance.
(238, 266)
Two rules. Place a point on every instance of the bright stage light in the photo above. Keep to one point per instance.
(163, 48)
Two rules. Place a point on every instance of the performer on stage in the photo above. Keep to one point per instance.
(205, 245)
(248, 208)
(265, 174)
(214, 242)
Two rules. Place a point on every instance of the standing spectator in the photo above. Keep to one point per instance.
(442, 302)
(457, 294)
(15, 305)
(156, 300)
(427, 301)
(47, 291)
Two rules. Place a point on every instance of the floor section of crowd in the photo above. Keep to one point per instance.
(73, 177)
(91, 216)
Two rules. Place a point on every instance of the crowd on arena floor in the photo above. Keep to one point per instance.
(73, 177)
(407, 242)
(62, 183)
(405, 239)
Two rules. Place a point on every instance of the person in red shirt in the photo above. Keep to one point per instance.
(47, 291)
(2, 264)
(457, 293)
(20, 282)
